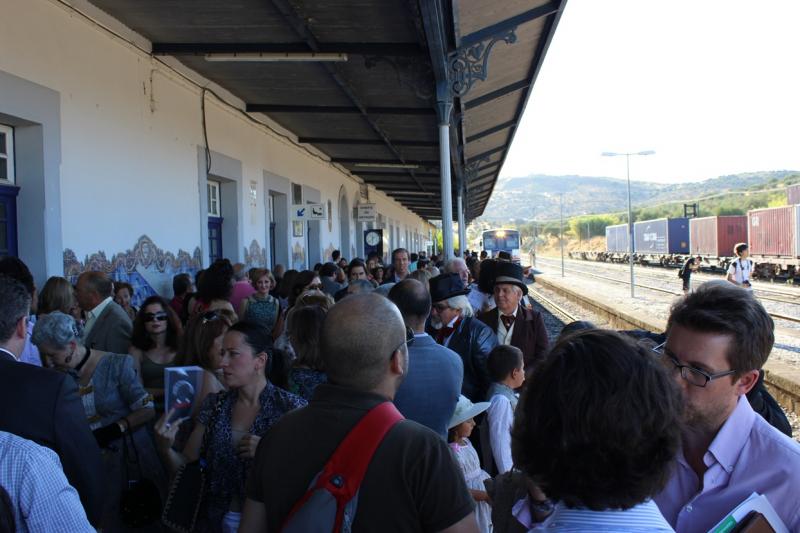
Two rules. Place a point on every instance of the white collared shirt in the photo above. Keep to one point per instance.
(503, 334)
(450, 325)
(91, 316)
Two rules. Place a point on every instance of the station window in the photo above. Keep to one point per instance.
(6, 154)
(297, 194)
(212, 188)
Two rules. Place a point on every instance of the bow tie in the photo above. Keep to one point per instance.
(446, 331)
(508, 320)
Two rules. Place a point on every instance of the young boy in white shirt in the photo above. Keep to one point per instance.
(507, 370)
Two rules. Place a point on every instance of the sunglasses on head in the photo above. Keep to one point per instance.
(209, 316)
(155, 317)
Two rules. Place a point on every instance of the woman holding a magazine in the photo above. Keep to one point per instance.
(230, 424)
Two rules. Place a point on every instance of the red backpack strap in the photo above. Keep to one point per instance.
(344, 471)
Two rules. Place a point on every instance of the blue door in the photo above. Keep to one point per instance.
(8, 220)
(214, 239)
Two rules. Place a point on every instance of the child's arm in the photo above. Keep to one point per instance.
(480, 496)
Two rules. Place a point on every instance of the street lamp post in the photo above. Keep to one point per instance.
(561, 233)
(630, 210)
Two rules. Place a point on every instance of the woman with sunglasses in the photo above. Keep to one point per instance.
(154, 343)
(113, 399)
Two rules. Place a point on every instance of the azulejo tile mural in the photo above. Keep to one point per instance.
(148, 268)
(255, 255)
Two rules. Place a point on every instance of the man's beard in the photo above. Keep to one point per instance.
(705, 421)
(436, 323)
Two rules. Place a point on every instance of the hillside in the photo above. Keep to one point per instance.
(537, 196)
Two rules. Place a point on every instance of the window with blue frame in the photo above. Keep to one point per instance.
(8, 194)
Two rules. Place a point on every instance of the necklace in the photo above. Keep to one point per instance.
(83, 361)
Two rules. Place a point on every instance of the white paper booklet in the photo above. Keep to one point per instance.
(755, 502)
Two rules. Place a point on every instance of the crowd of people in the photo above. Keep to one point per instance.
(421, 395)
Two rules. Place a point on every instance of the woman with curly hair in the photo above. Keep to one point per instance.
(154, 343)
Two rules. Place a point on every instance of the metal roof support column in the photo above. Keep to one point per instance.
(462, 228)
(445, 108)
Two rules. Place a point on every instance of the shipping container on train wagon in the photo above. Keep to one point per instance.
(774, 231)
(617, 239)
(716, 236)
(793, 194)
(661, 236)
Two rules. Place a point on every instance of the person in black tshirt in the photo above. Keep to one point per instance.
(412, 482)
(691, 265)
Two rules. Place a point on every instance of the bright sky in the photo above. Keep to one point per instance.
(713, 86)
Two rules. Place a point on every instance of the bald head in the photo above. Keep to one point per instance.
(357, 340)
(414, 302)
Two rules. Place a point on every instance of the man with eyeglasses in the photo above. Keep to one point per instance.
(718, 338)
(454, 325)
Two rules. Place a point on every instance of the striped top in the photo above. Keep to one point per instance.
(643, 517)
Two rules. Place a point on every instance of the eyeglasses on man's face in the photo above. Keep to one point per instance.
(409, 340)
(695, 376)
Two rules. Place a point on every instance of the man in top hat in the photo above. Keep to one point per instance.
(512, 323)
(453, 325)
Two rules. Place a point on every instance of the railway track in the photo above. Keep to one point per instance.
(556, 310)
(781, 379)
(780, 316)
(789, 295)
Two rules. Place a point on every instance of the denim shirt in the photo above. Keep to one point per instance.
(113, 392)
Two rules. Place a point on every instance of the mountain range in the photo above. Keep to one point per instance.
(538, 196)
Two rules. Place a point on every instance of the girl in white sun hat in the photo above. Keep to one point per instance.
(460, 428)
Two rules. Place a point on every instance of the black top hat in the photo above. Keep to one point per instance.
(510, 273)
(446, 286)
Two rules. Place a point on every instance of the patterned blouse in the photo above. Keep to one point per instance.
(227, 472)
(263, 311)
(303, 381)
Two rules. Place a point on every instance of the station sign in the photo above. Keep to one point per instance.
(309, 212)
(366, 213)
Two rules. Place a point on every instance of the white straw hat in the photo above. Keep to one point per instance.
(465, 410)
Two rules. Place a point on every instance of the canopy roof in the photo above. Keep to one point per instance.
(374, 114)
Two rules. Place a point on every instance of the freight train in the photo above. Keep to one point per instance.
(773, 236)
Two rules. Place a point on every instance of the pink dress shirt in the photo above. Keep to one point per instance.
(747, 455)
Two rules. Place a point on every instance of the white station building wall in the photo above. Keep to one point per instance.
(110, 159)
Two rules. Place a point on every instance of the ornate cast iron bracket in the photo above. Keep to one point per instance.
(468, 65)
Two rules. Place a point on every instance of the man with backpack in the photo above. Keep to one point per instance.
(741, 267)
(320, 468)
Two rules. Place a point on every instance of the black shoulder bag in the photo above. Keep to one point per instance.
(140, 501)
(188, 486)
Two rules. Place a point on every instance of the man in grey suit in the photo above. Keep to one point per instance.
(108, 327)
(430, 391)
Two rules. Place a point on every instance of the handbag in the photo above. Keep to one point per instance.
(188, 487)
(140, 500)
